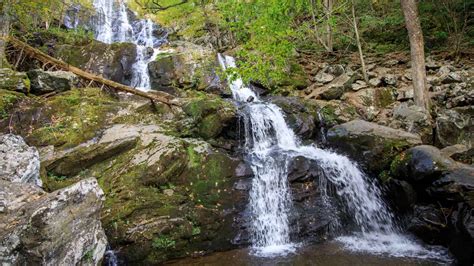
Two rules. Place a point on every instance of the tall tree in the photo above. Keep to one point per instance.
(415, 34)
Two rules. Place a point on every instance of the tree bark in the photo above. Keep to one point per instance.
(328, 6)
(415, 34)
(359, 46)
(4, 32)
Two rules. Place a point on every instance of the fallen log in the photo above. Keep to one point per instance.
(48, 60)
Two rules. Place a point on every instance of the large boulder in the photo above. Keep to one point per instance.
(369, 102)
(112, 61)
(412, 118)
(333, 90)
(61, 228)
(423, 164)
(51, 81)
(18, 161)
(72, 161)
(14, 81)
(185, 65)
(209, 116)
(429, 224)
(455, 126)
(373, 145)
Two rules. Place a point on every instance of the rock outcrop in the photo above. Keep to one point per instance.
(60, 228)
(18, 161)
(186, 65)
(373, 145)
(43, 82)
(443, 209)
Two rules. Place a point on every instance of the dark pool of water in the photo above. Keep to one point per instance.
(330, 253)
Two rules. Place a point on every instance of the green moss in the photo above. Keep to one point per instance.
(75, 116)
(329, 114)
(163, 242)
(8, 99)
(384, 97)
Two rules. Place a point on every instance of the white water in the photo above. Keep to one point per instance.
(270, 145)
(113, 25)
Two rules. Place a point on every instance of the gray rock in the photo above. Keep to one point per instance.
(444, 70)
(413, 119)
(371, 144)
(428, 223)
(422, 163)
(48, 81)
(335, 70)
(323, 77)
(115, 140)
(60, 228)
(18, 161)
(359, 85)
(453, 77)
(112, 61)
(186, 65)
(405, 93)
(333, 90)
(389, 79)
(14, 81)
(375, 82)
(455, 126)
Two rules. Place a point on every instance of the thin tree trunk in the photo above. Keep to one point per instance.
(359, 46)
(415, 34)
(328, 5)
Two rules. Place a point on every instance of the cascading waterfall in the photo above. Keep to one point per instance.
(270, 145)
(113, 25)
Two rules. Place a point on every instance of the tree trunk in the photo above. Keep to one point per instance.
(359, 46)
(415, 34)
(4, 32)
(328, 5)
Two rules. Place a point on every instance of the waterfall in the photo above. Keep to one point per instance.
(270, 146)
(113, 25)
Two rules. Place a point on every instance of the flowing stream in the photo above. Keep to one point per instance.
(270, 146)
(113, 25)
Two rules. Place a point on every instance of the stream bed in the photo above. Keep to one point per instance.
(328, 253)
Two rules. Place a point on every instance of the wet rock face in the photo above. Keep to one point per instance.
(18, 161)
(48, 81)
(61, 228)
(300, 117)
(368, 142)
(112, 61)
(444, 207)
(186, 65)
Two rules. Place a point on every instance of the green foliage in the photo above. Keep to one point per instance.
(55, 177)
(163, 242)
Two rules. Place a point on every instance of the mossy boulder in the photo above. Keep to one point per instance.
(373, 145)
(112, 61)
(51, 81)
(14, 81)
(209, 115)
(65, 120)
(186, 66)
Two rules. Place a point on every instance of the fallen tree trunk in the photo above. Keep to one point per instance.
(48, 60)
